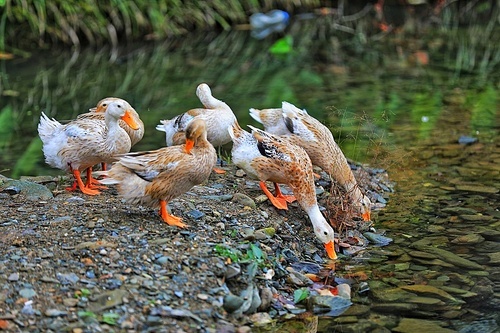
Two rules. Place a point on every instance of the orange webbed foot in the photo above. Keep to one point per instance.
(81, 186)
(279, 194)
(168, 218)
(278, 202)
(219, 171)
(93, 183)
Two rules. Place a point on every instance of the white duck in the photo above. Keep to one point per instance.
(217, 115)
(268, 157)
(82, 143)
(317, 140)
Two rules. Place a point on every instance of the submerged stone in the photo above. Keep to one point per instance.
(410, 325)
(448, 256)
(468, 239)
(431, 291)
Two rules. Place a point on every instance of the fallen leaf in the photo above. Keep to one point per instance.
(313, 277)
(360, 276)
(4, 324)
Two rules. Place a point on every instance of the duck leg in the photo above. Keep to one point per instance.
(92, 183)
(81, 186)
(168, 218)
(288, 198)
(278, 202)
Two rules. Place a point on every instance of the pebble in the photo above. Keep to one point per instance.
(244, 200)
(468, 239)
(13, 277)
(27, 293)
(55, 313)
(410, 325)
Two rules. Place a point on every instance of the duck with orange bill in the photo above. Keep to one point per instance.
(82, 143)
(154, 178)
(99, 110)
(216, 114)
(268, 157)
(317, 140)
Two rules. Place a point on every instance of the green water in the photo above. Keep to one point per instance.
(383, 108)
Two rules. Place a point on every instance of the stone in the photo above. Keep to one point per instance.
(392, 308)
(410, 325)
(468, 239)
(431, 291)
(108, 300)
(31, 190)
(244, 200)
(422, 255)
(494, 258)
(390, 295)
(448, 256)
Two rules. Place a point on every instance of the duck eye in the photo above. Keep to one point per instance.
(325, 233)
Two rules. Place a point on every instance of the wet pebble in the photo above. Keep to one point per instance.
(232, 271)
(468, 239)
(67, 278)
(13, 277)
(244, 200)
(27, 293)
(232, 303)
(55, 313)
(196, 214)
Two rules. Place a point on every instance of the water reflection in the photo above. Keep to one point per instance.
(405, 119)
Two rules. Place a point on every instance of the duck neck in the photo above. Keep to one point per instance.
(112, 127)
(315, 216)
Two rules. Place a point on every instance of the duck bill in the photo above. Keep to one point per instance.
(94, 109)
(330, 250)
(127, 117)
(366, 216)
(189, 145)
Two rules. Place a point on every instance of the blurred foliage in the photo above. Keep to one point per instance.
(357, 84)
(76, 22)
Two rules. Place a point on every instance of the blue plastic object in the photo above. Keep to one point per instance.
(264, 24)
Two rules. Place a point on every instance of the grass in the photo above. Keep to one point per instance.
(75, 22)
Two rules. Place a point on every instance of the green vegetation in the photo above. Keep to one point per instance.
(322, 62)
(253, 254)
(77, 22)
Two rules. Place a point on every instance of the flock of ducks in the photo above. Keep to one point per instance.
(283, 153)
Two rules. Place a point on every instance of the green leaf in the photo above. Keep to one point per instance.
(227, 252)
(282, 46)
(256, 252)
(110, 318)
(300, 295)
(86, 314)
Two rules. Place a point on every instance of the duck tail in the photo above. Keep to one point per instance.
(255, 114)
(47, 126)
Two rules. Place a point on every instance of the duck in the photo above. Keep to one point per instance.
(217, 115)
(268, 157)
(98, 111)
(156, 177)
(302, 129)
(81, 143)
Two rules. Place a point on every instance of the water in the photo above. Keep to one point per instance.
(384, 110)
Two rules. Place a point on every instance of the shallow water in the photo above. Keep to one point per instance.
(389, 113)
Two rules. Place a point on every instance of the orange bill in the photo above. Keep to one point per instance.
(330, 250)
(189, 145)
(366, 216)
(127, 117)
